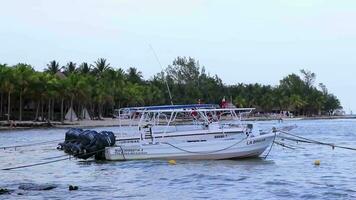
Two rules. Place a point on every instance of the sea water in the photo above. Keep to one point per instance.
(286, 173)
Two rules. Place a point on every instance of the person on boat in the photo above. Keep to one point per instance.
(194, 114)
(223, 103)
(210, 117)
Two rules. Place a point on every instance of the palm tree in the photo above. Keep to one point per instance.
(100, 66)
(8, 87)
(118, 80)
(240, 102)
(99, 97)
(2, 80)
(133, 75)
(134, 94)
(23, 75)
(34, 92)
(84, 68)
(77, 88)
(62, 93)
(39, 91)
(70, 68)
(297, 102)
(309, 77)
(52, 67)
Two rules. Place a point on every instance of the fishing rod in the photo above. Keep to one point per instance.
(165, 80)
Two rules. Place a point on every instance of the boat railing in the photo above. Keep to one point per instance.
(206, 116)
(171, 116)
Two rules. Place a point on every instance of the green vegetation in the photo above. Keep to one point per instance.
(31, 95)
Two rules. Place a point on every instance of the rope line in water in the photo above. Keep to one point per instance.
(284, 145)
(50, 158)
(48, 162)
(311, 141)
(28, 145)
(297, 140)
(36, 164)
(289, 145)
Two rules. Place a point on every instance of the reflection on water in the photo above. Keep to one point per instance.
(285, 174)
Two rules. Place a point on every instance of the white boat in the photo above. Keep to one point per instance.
(213, 134)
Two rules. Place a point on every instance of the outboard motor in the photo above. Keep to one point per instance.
(70, 139)
(87, 143)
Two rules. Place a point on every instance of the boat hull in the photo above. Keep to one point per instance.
(227, 148)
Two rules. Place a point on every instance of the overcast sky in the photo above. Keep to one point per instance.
(241, 41)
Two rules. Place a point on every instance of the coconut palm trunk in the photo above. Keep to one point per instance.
(71, 107)
(49, 110)
(37, 110)
(62, 104)
(8, 106)
(100, 111)
(1, 106)
(42, 111)
(52, 111)
(20, 117)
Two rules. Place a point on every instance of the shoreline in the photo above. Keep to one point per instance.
(110, 122)
(27, 125)
(324, 117)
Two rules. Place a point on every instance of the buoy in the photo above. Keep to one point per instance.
(172, 162)
(317, 162)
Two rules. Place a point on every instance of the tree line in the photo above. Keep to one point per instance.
(27, 94)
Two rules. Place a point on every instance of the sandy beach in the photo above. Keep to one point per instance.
(110, 122)
(105, 122)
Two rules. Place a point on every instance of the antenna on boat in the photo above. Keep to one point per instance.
(165, 80)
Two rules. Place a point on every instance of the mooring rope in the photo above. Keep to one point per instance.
(36, 164)
(270, 149)
(48, 162)
(284, 145)
(307, 140)
(288, 145)
(31, 144)
(122, 152)
(50, 158)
